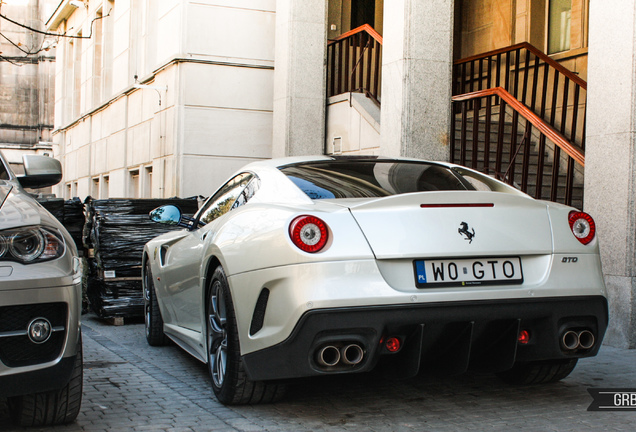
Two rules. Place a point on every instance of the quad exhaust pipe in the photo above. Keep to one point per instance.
(352, 354)
(330, 355)
(572, 340)
(586, 339)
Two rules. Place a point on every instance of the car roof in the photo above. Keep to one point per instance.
(278, 188)
(297, 160)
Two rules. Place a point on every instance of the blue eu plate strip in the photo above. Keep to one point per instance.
(421, 272)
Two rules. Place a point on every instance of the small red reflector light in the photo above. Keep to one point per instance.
(393, 344)
(524, 337)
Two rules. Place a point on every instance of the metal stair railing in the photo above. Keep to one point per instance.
(539, 141)
(354, 63)
(555, 94)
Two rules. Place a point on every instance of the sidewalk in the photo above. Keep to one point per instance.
(129, 386)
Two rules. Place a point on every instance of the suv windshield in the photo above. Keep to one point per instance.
(374, 178)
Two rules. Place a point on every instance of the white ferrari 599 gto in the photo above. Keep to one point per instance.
(327, 265)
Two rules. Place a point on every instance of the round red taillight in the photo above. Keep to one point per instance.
(524, 337)
(393, 344)
(309, 233)
(583, 226)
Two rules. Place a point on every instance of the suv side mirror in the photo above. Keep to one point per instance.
(40, 171)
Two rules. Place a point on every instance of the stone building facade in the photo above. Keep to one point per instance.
(26, 81)
(161, 98)
(168, 97)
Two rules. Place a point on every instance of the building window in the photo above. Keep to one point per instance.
(77, 76)
(104, 192)
(95, 188)
(97, 58)
(108, 32)
(559, 25)
(69, 83)
(148, 182)
(133, 184)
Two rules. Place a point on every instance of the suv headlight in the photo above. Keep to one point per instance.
(29, 245)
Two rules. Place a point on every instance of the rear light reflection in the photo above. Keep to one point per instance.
(582, 226)
(309, 233)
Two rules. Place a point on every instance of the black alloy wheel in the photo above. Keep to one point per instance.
(229, 379)
(217, 334)
(152, 314)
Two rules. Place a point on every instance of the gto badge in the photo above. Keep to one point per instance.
(464, 230)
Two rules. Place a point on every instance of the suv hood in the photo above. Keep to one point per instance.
(17, 208)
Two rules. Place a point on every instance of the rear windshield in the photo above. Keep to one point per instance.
(365, 179)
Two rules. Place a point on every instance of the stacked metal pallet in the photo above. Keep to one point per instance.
(115, 233)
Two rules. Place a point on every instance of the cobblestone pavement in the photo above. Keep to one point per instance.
(129, 386)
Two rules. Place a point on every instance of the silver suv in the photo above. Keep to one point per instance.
(40, 302)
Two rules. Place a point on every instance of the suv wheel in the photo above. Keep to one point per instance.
(53, 407)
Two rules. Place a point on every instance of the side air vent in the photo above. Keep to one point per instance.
(259, 312)
(162, 255)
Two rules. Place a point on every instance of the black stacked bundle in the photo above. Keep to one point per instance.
(70, 213)
(74, 220)
(55, 206)
(117, 230)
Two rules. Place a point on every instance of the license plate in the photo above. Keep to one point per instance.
(467, 272)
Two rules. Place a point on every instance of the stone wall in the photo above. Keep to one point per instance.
(27, 81)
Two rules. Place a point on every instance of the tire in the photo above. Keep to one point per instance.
(152, 313)
(538, 372)
(53, 407)
(229, 380)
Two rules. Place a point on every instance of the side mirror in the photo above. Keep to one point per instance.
(40, 171)
(167, 214)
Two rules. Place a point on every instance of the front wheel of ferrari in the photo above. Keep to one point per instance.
(152, 314)
(229, 379)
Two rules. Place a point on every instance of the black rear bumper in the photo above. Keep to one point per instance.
(443, 337)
